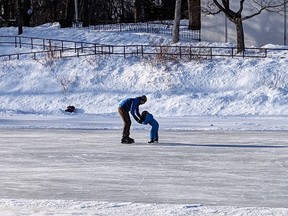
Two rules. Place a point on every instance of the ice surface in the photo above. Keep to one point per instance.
(56, 163)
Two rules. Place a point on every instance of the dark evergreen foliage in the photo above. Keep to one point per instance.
(36, 12)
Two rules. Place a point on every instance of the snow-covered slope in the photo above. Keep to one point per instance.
(96, 84)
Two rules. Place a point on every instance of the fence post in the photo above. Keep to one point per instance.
(211, 51)
(124, 52)
(50, 45)
(31, 43)
(111, 50)
(15, 41)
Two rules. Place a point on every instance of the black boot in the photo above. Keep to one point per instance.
(132, 140)
(127, 140)
(153, 141)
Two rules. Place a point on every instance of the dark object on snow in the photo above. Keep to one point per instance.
(70, 109)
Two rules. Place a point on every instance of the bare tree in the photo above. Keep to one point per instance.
(19, 17)
(53, 10)
(177, 21)
(69, 10)
(194, 14)
(137, 10)
(253, 7)
(27, 12)
(84, 11)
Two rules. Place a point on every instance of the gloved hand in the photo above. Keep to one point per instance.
(139, 121)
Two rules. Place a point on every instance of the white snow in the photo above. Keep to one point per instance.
(217, 96)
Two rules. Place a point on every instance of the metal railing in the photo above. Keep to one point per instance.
(64, 48)
(150, 27)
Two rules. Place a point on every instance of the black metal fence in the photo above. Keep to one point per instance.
(41, 47)
(150, 27)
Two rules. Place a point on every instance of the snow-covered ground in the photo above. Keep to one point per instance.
(201, 106)
(96, 84)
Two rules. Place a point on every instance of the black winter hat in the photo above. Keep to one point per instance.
(143, 98)
(144, 113)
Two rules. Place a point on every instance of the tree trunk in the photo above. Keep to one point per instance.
(69, 10)
(26, 12)
(137, 11)
(53, 11)
(240, 35)
(122, 18)
(194, 12)
(85, 12)
(19, 17)
(177, 21)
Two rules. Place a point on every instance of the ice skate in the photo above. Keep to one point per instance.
(127, 140)
(153, 141)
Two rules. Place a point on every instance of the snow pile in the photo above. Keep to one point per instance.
(96, 84)
(65, 207)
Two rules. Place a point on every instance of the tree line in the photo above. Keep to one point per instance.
(91, 12)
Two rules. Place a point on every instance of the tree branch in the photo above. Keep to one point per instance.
(268, 7)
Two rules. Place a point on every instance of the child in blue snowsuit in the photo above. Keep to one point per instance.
(147, 118)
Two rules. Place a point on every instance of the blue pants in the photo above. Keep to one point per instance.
(154, 130)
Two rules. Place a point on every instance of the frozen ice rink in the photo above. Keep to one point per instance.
(211, 167)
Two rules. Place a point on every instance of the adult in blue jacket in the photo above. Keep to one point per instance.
(130, 105)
